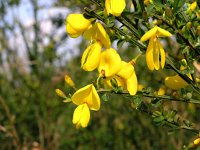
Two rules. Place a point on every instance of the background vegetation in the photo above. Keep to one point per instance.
(33, 117)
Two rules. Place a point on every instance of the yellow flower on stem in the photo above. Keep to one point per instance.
(176, 82)
(81, 116)
(60, 93)
(69, 81)
(86, 98)
(155, 54)
(125, 78)
(147, 2)
(91, 57)
(115, 7)
(192, 7)
(98, 33)
(110, 63)
(76, 24)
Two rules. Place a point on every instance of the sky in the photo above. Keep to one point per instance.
(24, 13)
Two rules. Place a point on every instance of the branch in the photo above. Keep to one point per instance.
(163, 97)
(117, 30)
(178, 33)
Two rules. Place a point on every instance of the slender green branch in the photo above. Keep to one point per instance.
(129, 26)
(178, 33)
(168, 123)
(117, 30)
(122, 19)
(166, 97)
(183, 76)
(163, 97)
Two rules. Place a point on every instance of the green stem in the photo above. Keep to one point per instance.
(117, 30)
(163, 97)
(178, 33)
(184, 77)
(168, 123)
(129, 26)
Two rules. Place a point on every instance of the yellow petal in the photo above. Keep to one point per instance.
(110, 63)
(192, 6)
(91, 57)
(77, 22)
(94, 100)
(175, 82)
(98, 33)
(117, 7)
(90, 33)
(149, 55)
(120, 82)
(102, 36)
(163, 33)
(126, 70)
(162, 54)
(69, 81)
(161, 91)
(140, 87)
(156, 52)
(72, 32)
(81, 95)
(106, 82)
(132, 84)
(184, 64)
(87, 94)
(81, 116)
(108, 6)
(60, 93)
(149, 34)
(197, 141)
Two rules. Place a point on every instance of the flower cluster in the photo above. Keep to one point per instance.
(99, 55)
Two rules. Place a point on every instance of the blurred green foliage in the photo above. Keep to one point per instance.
(33, 117)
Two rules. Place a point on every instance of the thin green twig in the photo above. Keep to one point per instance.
(117, 30)
(163, 97)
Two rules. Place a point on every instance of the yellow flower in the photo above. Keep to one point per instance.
(69, 81)
(155, 54)
(115, 7)
(126, 71)
(88, 95)
(197, 141)
(161, 91)
(76, 24)
(110, 63)
(98, 33)
(140, 87)
(132, 84)
(125, 78)
(60, 93)
(147, 2)
(176, 82)
(91, 57)
(81, 116)
(192, 7)
(86, 98)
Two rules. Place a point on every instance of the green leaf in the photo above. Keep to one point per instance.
(149, 9)
(67, 100)
(120, 43)
(158, 4)
(137, 101)
(105, 97)
(158, 119)
(178, 4)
